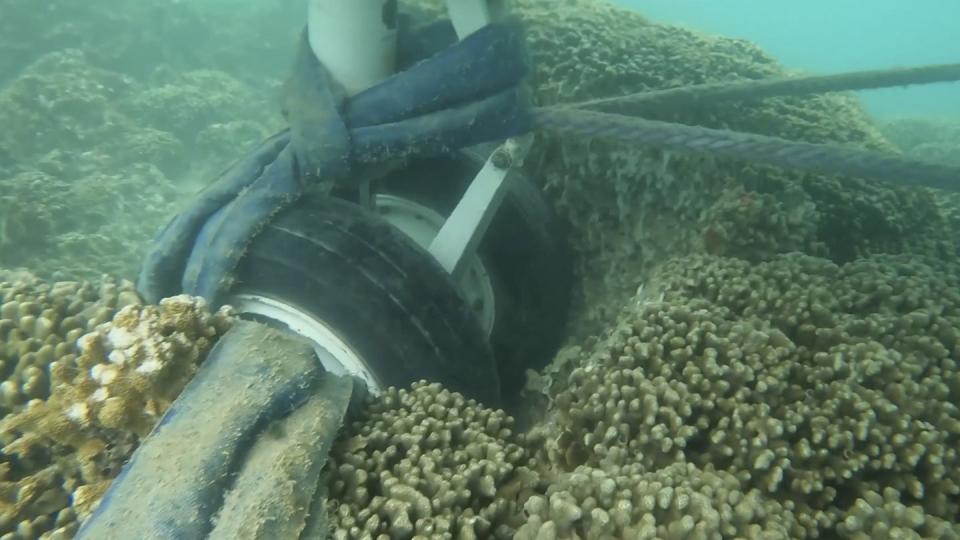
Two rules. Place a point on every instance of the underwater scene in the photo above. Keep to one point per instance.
(705, 285)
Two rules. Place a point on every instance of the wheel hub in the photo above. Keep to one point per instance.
(422, 224)
(335, 354)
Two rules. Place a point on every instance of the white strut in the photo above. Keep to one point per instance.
(468, 16)
(460, 235)
(356, 40)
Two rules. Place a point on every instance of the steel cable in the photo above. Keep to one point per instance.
(708, 94)
(822, 158)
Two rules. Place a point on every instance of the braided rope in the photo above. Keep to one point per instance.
(705, 94)
(820, 158)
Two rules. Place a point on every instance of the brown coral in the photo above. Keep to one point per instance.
(426, 462)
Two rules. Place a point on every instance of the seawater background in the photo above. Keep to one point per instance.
(832, 36)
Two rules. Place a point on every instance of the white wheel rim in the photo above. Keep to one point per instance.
(422, 224)
(336, 355)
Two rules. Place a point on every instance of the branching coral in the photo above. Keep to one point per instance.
(815, 386)
(426, 462)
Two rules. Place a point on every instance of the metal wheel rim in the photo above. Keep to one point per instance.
(422, 224)
(335, 354)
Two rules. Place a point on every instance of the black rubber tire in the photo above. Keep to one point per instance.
(525, 250)
(384, 295)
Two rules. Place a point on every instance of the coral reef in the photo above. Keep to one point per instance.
(65, 229)
(814, 388)
(89, 150)
(739, 392)
(39, 322)
(59, 206)
(676, 501)
(64, 103)
(794, 398)
(88, 370)
(426, 462)
(112, 117)
(185, 104)
(925, 139)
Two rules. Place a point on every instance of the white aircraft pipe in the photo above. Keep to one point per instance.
(356, 40)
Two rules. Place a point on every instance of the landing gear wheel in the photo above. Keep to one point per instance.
(365, 292)
(519, 282)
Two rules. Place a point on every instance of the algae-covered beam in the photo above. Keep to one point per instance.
(261, 411)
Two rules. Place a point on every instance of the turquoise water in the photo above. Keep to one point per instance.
(829, 36)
